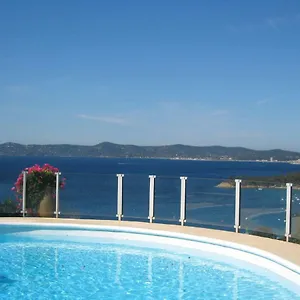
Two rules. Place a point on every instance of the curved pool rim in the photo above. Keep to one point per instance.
(248, 254)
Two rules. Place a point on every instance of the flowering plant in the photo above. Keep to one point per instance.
(38, 181)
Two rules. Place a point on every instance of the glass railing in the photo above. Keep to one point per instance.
(40, 204)
(263, 209)
(89, 196)
(135, 197)
(295, 215)
(7, 199)
(208, 205)
(167, 200)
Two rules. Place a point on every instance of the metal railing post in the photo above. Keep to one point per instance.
(151, 198)
(237, 223)
(57, 212)
(24, 211)
(120, 197)
(289, 187)
(182, 219)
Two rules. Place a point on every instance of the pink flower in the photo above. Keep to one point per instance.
(37, 176)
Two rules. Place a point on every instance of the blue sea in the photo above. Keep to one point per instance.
(91, 190)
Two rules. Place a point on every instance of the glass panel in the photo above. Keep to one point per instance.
(8, 203)
(296, 216)
(263, 209)
(40, 204)
(136, 197)
(8, 176)
(209, 205)
(167, 199)
(89, 196)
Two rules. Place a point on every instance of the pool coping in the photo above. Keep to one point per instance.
(286, 251)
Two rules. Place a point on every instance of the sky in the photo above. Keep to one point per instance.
(151, 72)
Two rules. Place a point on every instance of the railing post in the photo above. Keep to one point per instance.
(151, 198)
(24, 211)
(120, 197)
(289, 187)
(57, 212)
(182, 219)
(237, 223)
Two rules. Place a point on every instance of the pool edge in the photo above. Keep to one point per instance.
(272, 250)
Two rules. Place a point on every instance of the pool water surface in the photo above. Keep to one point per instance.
(62, 264)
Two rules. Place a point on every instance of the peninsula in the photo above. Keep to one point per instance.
(178, 151)
(261, 182)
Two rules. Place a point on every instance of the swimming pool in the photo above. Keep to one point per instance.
(91, 262)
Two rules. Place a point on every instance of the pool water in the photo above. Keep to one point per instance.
(43, 267)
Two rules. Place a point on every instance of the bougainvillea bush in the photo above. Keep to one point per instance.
(39, 179)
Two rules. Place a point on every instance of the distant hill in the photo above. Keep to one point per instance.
(107, 149)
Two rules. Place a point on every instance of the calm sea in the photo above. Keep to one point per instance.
(91, 190)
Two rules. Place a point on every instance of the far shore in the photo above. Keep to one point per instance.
(228, 185)
(159, 158)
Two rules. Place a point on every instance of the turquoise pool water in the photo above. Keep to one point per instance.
(43, 263)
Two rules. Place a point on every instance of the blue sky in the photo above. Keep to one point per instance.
(151, 72)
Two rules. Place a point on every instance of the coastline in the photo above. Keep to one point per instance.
(228, 185)
(157, 158)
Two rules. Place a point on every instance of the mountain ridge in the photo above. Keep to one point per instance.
(176, 151)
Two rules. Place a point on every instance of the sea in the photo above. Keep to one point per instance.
(91, 190)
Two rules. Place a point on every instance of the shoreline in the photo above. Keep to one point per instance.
(158, 158)
(228, 185)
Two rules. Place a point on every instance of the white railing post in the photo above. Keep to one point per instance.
(237, 223)
(24, 211)
(182, 219)
(289, 187)
(57, 212)
(120, 197)
(151, 198)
